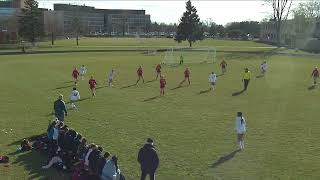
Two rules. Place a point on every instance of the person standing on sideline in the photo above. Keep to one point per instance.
(140, 74)
(60, 110)
(264, 67)
(75, 75)
(163, 83)
(83, 71)
(158, 71)
(186, 77)
(75, 96)
(241, 129)
(212, 80)
(315, 75)
(148, 159)
(246, 78)
(111, 77)
(181, 60)
(223, 66)
(93, 84)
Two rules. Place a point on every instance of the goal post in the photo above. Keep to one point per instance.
(190, 55)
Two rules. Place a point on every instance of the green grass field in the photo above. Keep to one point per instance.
(194, 132)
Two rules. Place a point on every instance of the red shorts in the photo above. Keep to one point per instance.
(140, 75)
(158, 72)
(75, 77)
(92, 87)
(162, 86)
(186, 77)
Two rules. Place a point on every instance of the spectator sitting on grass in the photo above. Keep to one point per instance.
(110, 170)
(102, 161)
(94, 158)
(83, 147)
(90, 149)
(57, 159)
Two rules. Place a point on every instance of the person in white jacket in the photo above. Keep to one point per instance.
(212, 80)
(75, 96)
(83, 71)
(111, 77)
(264, 67)
(240, 129)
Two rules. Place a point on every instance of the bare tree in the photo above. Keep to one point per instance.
(281, 10)
(76, 26)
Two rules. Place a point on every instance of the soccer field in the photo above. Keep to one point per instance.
(193, 129)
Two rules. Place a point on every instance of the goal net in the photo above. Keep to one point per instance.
(190, 55)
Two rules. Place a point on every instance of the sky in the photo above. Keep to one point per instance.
(218, 11)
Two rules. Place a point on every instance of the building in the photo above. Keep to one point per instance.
(9, 10)
(89, 20)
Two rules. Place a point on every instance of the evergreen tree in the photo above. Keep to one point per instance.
(190, 29)
(30, 24)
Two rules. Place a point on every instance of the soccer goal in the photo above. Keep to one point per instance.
(190, 55)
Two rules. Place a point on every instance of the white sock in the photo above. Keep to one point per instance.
(242, 144)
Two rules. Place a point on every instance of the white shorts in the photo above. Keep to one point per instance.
(74, 98)
(82, 73)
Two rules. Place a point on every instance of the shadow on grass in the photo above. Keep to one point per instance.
(312, 87)
(260, 76)
(82, 99)
(225, 158)
(124, 87)
(32, 162)
(178, 87)
(205, 91)
(101, 87)
(150, 99)
(220, 75)
(30, 138)
(238, 93)
(150, 81)
(69, 82)
(63, 87)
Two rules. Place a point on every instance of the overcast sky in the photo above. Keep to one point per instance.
(168, 11)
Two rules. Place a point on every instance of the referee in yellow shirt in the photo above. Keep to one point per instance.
(246, 78)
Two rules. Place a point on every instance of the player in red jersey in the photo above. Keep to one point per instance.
(315, 75)
(223, 66)
(140, 74)
(163, 83)
(158, 71)
(75, 75)
(93, 84)
(186, 76)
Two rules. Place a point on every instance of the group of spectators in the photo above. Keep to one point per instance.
(68, 151)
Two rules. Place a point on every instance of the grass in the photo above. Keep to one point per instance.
(193, 129)
(90, 44)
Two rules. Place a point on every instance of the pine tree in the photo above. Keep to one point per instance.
(30, 24)
(190, 29)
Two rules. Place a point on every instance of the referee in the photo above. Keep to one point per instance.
(246, 78)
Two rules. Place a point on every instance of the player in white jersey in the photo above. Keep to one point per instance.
(111, 77)
(264, 67)
(212, 80)
(240, 129)
(75, 96)
(83, 71)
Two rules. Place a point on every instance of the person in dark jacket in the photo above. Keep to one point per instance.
(60, 109)
(148, 159)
